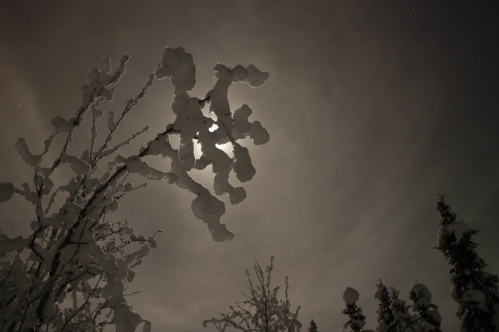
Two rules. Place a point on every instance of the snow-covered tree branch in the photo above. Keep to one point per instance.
(70, 273)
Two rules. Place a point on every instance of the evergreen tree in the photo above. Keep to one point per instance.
(313, 327)
(402, 319)
(428, 316)
(356, 319)
(474, 289)
(385, 315)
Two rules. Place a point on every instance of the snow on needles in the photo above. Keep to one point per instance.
(6, 191)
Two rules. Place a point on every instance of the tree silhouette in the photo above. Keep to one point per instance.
(356, 320)
(473, 288)
(262, 310)
(71, 272)
(385, 314)
(313, 327)
(427, 313)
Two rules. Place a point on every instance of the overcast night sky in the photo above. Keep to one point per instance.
(373, 107)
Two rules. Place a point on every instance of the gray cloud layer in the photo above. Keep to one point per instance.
(372, 107)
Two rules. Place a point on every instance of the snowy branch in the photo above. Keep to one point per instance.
(73, 248)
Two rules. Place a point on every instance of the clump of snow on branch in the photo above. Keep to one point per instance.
(192, 124)
(72, 272)
(350, 296)
(7, 190)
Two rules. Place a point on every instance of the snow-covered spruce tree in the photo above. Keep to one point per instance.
(428, 317)
(356, 319)
(393, 314)
(385, 315)
(403, 321)
(312, 327)
(71, 272)
(473, 288)
(262, 310)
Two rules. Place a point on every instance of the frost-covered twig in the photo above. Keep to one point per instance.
(261, 310)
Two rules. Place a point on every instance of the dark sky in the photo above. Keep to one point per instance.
(373, 107)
